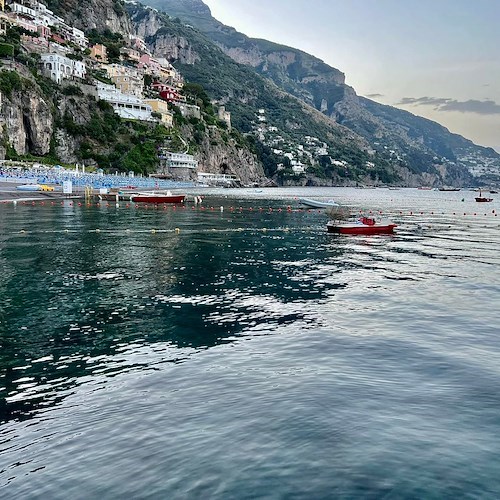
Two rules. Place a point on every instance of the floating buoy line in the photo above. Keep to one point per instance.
(176, 231)
(198, 207)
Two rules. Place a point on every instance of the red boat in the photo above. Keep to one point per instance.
(364, 225)
(157, 198)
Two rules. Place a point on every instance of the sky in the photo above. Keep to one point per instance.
(439, 59)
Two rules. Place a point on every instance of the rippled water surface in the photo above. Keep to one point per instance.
(247, 353)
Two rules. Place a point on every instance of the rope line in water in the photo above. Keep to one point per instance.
(231, 209)
(164, 231)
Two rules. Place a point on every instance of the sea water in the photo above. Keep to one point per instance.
(237, 350)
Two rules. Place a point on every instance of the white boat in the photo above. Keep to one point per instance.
(28, 187)
(317, 204)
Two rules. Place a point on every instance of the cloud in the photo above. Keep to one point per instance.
(374, 96)
(486, 107)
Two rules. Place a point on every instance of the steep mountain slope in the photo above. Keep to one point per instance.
(245, 94)
(419, 144)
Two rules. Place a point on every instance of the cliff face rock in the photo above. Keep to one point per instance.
(27, 123)
(66, 147)
(31, 123)
(173, 48)
(229, 159)
(146, 23)
(162, 42)
(290, 63)
(95, 14)
(220, 154)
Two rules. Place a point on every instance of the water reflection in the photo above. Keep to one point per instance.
(84, 290)
(99, 291)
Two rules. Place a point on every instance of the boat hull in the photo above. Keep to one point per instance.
(28, 187)
(361, 228)
(484, 200)
(317, 204)
(157, 199)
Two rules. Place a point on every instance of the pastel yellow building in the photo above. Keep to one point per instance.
(126, 79)
(160, 106)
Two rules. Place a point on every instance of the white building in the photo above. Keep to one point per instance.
(188, 110)
(45, 16)
(178, 160)
(298, 167)
(78, 36)
(22, 9)
(59, 67)
(217, 179)
(126, 106)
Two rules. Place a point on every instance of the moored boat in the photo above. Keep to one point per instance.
(157, 198)
(363, 225)
(482, 199)
(28, 187)
(317, 204)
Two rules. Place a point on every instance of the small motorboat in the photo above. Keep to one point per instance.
(482, 199)
(363, 225)
(157, 198)
(317, 204)
(29, 187)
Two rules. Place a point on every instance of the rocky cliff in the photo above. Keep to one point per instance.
(100, 15)
(167, 43)
(26, 116)
(218, 156)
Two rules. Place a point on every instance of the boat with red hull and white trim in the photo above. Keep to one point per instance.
(157, 198)
(363, 225)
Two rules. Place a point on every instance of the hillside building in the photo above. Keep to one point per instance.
(99, 53)
(127, 80)
(124, 105)
(224, 116)
(161, 107)
(59, 67)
